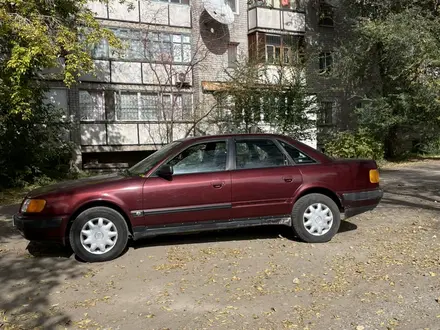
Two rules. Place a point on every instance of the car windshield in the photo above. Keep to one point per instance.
(148, 163)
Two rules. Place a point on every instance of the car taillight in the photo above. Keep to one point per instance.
(374, 176)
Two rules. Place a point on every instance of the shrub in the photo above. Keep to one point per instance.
(354, 145)
(430, 147)
(33, 149)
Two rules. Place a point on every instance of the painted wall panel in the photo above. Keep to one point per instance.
(120, 134)
(180, 15)
(154, 12)
(127, 11)
(126, 72)
(93, 134)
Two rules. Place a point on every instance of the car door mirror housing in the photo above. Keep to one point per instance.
(165, 171)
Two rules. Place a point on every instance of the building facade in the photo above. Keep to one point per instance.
(158, 87)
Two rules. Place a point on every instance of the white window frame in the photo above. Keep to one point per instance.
(326, 55)
(237, 8)
(179, 99)
(103, 114)
(139, 105)
(160, 108)
(180, 2)
(323, 114)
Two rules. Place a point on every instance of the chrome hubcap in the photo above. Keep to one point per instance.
(99, 235)
(318, 219)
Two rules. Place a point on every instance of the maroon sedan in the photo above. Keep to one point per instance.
(201, 184)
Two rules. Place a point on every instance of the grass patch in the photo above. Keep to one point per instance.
(15, 195)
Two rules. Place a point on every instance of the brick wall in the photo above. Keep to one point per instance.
(214, 39)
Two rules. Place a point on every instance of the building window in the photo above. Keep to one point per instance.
(101, 50)
(91, 105)
(232, 55)
(298, 5)
(325, 113)
(225, 104)
(127, 106)
(292, 4)
(233, 5)
(325, 62)
(276, 49)
(148, 106)
(176, 107)
(133, 46)
(279, 49)
(137, 46)
(136, 106)
(164, 47)
(326, 15)
(183, 2)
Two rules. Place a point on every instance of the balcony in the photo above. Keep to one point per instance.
(270, 19)
(176, 13)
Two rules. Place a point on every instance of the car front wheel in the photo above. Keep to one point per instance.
(98, 234)
(315, 218)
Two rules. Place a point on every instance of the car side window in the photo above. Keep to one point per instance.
(297, 156)
(201, 158)
(258, 154)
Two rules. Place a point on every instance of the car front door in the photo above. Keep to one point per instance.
(263, 180)
(199, 189)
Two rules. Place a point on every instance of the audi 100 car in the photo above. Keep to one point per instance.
(202, 184)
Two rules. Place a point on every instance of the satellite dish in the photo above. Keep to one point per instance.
(219, 10)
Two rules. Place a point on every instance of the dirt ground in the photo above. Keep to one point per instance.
(382, 271)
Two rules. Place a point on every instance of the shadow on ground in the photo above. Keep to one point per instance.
(29, 280)
(243, 234)
(412, 187)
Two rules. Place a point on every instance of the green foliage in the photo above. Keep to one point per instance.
(35, 148)
(354, 145)
(388, 60)
(37, 35)
(276, 97)
(430, 147)
(44, 34)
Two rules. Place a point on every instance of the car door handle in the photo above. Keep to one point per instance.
(218, 184)
(288, 179)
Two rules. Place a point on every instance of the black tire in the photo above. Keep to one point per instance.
(301, 206)
(92, 213)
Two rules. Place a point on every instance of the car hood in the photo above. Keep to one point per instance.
(66, 186)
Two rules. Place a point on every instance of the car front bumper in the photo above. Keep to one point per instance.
(39, 228)
(360, 202)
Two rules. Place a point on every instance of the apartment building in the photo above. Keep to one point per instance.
(159, 86)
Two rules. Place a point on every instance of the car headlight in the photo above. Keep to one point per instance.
(33, 205)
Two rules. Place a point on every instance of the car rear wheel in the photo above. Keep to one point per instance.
(315, 218)
(98, 234)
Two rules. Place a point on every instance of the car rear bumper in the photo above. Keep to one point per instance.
(39, 228)
(360, 202)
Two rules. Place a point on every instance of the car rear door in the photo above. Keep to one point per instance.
(264, 180)
(199, 190)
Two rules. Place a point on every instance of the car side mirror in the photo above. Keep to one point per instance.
(165, 171)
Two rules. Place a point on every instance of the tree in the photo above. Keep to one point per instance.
(268, 98)
(35, 35)
(179, 111)
(388, 62)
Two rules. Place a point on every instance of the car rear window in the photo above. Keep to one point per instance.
(297, 156)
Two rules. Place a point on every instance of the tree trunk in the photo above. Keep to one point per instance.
(391, 143)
